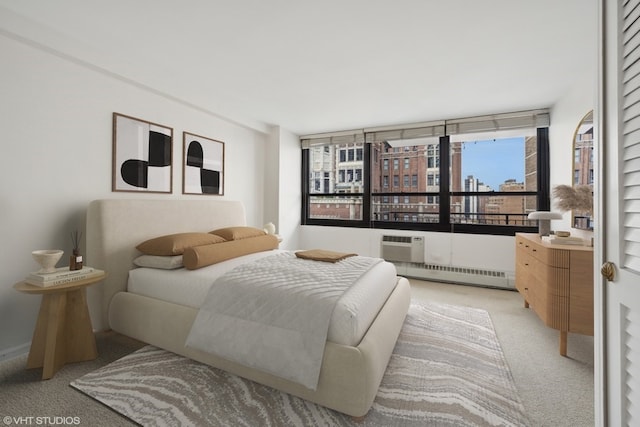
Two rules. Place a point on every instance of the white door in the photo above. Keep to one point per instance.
(617, 372)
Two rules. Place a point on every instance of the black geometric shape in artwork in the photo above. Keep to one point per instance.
(159, 149)
(195, 154)
(210, 181)
(135, 172)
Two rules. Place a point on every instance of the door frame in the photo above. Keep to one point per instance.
(599, 298)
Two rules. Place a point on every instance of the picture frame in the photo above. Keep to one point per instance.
(203, 165)
(142, 156)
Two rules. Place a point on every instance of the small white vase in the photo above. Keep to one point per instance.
(47, 258)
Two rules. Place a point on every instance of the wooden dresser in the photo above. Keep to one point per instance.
(556, 281)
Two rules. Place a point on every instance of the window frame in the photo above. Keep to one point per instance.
(444, 194)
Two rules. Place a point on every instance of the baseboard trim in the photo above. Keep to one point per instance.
(13, 352)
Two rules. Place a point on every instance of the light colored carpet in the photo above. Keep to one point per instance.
(556, 391)
(447, 369)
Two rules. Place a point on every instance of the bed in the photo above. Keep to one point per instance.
(350, 374)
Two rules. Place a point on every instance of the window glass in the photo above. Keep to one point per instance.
(492, 164)
(417, 176)
(335, 171)
(490, 209)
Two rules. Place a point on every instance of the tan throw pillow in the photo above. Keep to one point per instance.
(202, 256)
(239, 232)
(175, 244)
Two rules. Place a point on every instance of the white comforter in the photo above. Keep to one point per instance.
(273, 314)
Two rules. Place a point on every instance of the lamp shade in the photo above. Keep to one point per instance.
(544, 215)
(544, 220)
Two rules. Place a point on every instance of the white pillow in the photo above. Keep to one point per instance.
(157, 261)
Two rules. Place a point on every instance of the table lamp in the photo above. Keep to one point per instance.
(544, 220)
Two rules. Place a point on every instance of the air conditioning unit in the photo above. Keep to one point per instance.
(402, 248)
(407, 254)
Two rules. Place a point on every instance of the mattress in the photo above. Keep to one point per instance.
(353, 314)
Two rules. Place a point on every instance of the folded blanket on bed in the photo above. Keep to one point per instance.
(273, 313)
(323, 255)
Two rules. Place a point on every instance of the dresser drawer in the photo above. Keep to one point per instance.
(548, 256)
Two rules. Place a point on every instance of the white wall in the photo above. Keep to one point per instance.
(56, 122)
(289, 189)
(282, 189)
(468, 250)
(566, 114)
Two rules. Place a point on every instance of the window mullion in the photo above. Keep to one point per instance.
(366, 184)
(544, 200)
(305, 186)
(445, 178)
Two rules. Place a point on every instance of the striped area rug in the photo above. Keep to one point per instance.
(447, 369)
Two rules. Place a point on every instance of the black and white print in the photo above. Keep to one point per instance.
(203, 169)
(142, 159)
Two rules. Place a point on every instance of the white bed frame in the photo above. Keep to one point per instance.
(350, 376)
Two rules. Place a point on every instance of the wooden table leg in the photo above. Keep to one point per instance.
(563, 343)
(80, 341)
(46, 352)
(63, 333)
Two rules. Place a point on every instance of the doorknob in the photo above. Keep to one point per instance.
(608, 271)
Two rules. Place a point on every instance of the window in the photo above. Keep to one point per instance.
(336, 189)
(484, 194)
(477, 175)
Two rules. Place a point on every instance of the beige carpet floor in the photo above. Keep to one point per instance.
(556, 391)
(447, 369)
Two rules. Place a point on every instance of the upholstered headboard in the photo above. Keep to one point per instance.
(116, 226)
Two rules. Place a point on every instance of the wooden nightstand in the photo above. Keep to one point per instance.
(63, 332)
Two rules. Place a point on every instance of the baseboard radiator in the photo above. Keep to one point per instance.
(407, 254)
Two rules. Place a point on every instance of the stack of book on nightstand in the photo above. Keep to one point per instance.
(61, 276)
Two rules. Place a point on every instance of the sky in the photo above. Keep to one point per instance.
(494, 161)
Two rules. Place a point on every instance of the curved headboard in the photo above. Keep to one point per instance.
(116, 226)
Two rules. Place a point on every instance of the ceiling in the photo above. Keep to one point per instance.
(326, 65)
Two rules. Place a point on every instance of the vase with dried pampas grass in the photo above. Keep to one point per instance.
(578, 198)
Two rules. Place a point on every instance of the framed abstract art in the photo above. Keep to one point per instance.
(203, 169)
(142, 159)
